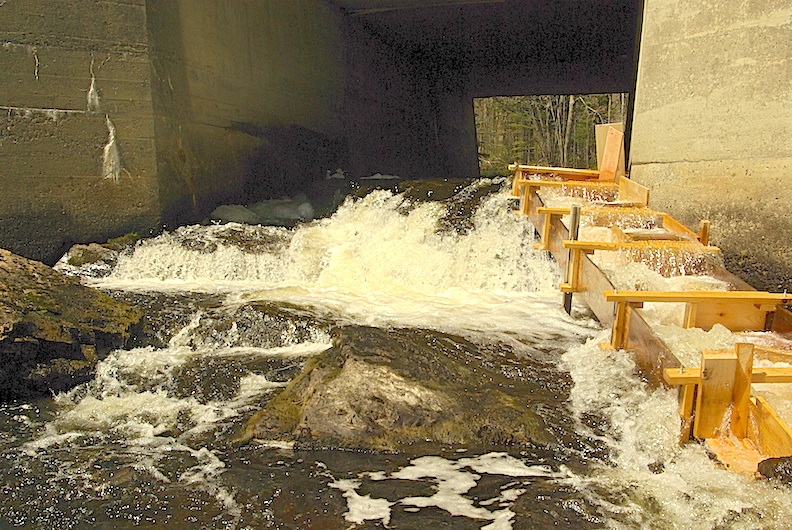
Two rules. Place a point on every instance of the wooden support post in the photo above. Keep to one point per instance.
(529, 191)
(774, 437)
(687, 394)
(573, 262)
(544, 243)
(716, 390)
(621, 325)
(704, 230)
(742, 389)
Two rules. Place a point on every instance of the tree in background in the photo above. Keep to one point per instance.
(542, 130)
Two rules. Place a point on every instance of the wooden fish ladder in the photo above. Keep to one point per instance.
(715, 401)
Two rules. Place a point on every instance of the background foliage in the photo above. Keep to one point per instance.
(542, 130)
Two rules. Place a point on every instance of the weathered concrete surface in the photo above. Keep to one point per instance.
(247, 97)
(364, 393)
(54, 330)
(712, 126)
(53, 189)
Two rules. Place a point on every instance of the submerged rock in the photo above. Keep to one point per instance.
(54, 330)
(364, 393)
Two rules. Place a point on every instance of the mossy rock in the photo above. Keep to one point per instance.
(48, 320)
(364, 393)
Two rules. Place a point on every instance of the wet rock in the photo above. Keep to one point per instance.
(777, 468)
(92, 260)
(283, 212)
(386, 389)
(53, 330)
(234, 213)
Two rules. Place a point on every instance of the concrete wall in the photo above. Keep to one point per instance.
(712, 126)
(389, 113)
(53, 189)
(210, 101)
(247, 98)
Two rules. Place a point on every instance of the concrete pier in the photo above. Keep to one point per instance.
(712, 126)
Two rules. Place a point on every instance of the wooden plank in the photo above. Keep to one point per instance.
(687, 394)
(771, 375)
(742, 389)
(682, 376)
(651, 354)
(621, 323)
(776, 355)
(595, 282)
(601, 136)
(782, 321)
(692, 376)
(567, 172)
(748, 297)
(769, 433)
(689, 320)
(554, 211)
(640, 245)
(631, 191)
(735, 315)
(614, 146)
(672, 225)
(715, 392)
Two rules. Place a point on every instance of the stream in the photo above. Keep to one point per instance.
(237, 310)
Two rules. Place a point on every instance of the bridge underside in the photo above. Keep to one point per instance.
(124, 116)
(452, 52)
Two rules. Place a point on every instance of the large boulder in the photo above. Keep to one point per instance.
(364, 393)
(53, 330)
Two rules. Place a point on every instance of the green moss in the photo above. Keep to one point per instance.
(120, 243)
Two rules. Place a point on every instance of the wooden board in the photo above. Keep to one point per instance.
(692, 376)
(565, 172)
(767, 431)
(715, 392)
(652, 355)
(614, 147)
(672, 225)
(740, 456)
(601, 136)
(742, 390)
(735, 316)
(631, 191)
(749, 297)
(782, 321)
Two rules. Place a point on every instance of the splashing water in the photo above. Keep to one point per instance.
(147, 442)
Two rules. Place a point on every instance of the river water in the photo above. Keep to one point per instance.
(236, 311)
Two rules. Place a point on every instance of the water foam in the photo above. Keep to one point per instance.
(452, 480)
(651, 480)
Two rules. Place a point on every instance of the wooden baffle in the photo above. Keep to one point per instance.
(716, 406)
(736, 310)
(715, 403)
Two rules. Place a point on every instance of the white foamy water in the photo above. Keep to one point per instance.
(654, 482)
(383, 261)
(453, 479)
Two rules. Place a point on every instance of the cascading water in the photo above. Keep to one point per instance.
(237, 310)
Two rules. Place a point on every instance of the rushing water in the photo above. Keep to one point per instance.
(238, 309)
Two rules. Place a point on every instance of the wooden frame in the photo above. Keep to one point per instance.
(765, 434)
